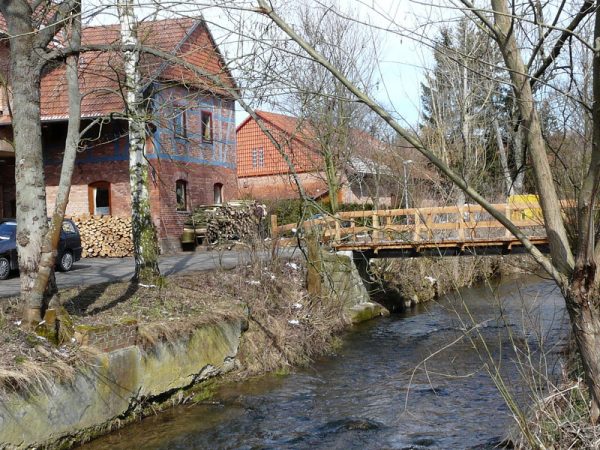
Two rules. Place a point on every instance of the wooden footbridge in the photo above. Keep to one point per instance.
(435, 231)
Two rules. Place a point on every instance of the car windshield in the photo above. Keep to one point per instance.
(7, 229)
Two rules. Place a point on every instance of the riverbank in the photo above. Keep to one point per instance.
(410, 380)
(409, 282)
(284, 327)
(125, 350)
(560, 414)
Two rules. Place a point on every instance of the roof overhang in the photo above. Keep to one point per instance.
(6, 149)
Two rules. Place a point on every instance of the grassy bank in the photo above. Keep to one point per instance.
(419, 280)
(560, 416)
(286, 327)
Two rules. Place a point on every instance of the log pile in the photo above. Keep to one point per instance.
(240, 220)
(105, 236)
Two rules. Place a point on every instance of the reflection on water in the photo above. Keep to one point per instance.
(408, 381)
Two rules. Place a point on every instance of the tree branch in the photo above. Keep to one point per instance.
(586, 8)
(455, 178)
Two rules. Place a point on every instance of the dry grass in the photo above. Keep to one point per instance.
(561, 418)
(286, 327)
(423, 279)
(29, 361)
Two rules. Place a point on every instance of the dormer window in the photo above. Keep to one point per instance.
(207, 130)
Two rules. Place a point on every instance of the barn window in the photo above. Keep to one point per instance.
(207, 130)
(258, 158)
(218, 193)
(181, 195)
(99, 198)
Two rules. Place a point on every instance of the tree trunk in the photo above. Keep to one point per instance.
(32, 224)
(145, 242)
(562, 256)
(45, 284)
(582, 301)
(332, 180)
(519, 156)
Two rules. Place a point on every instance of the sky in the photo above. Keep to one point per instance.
(401, 58)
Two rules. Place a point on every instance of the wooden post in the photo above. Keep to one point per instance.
(507, 211)
(461, 222)
(428, 222)
(388, 224)
(314, 269)
(416, 233)
(274, 231)
(375, 232)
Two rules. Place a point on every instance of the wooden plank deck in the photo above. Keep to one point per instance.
(441, 231)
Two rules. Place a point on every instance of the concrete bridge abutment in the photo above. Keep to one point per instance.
(335, 276)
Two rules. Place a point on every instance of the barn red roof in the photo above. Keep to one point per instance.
(101, 73)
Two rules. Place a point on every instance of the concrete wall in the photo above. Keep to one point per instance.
(336, 276)
(116, 385)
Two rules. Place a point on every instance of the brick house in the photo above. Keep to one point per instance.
(263, 173)
(191, 140)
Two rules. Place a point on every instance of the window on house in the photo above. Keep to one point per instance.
(218, 193)
(207, 131)
(181, 195)
(258, 158)
(180, 124)
(99, 198)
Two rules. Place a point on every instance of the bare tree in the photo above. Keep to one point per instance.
(145, 242)
(33, 29)
(573, 266)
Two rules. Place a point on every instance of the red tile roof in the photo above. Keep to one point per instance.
(101, 73)
(290, 126)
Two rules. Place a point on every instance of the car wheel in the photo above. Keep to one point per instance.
(4, 267)
(66, 262)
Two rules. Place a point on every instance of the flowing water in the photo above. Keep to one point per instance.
(410, 381)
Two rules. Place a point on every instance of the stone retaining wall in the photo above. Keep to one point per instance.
(117, 385)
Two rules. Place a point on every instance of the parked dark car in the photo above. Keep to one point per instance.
(69, 247)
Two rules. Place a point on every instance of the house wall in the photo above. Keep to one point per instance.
(251, 138)
(103, 159)
(280, 187)
(200, 181)
(199, 163)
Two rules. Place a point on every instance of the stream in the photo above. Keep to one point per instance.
(411, 381)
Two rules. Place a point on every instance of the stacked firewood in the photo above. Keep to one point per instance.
(105, 236)
(239, 220)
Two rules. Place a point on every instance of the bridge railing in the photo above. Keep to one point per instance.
(442, 223)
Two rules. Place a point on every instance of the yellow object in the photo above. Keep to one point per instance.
(527, 205)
